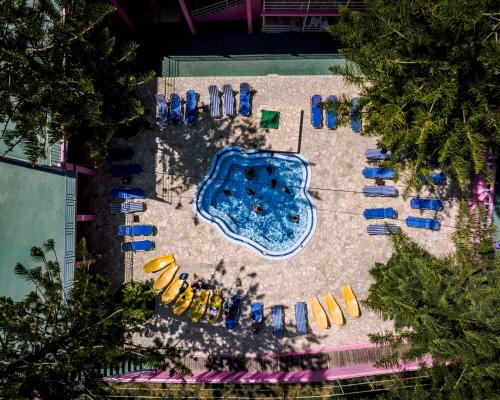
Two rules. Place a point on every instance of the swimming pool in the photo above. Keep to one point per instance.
(259, 199)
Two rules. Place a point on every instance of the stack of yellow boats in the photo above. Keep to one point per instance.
(175, 288)
(333, 313)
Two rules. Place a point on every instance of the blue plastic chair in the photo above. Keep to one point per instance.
(380, 191)
(331, 115)
(379, 213)
(127, 193)
(277, 313)
(139, 245)
(135, 230)
(301, 318)
(383, 229)
(213, 92)
(190, 114)
(437, 178)
(126, 208)
(125, 170)
(233, 311)
(161, 111)
(426, 204)
(377, 154)
(257, 315)
(227, 90)
(355, 115)
(423, 223)
(175, 108)
(316, 113)
(245, 99)
(382, 173)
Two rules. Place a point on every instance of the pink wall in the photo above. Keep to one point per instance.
(236, 13)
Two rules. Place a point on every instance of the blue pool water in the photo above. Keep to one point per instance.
(259, 199)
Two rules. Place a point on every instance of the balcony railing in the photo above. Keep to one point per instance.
(310, 5)
(216, 7)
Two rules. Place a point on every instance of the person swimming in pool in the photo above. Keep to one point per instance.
(274, 183)
(294, 217)
(249, 191)
(227, 192)
(257, 208)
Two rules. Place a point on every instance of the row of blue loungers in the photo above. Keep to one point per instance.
(331, 115)
(164, 113)
(229, 100)
(132, 230)
(278, 317)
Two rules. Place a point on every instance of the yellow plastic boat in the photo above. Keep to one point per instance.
(200, 305)
(334, 311)
(166, 277)
(158, 263)
(184, 301)
(214, 307)
(173, 290)
(319, 313)
(351, 302)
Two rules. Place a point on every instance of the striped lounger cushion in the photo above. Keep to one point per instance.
(228, 100)
(380, 191)
(214, 101)
(126, 208)
(382, 229)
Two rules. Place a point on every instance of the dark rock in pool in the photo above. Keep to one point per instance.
(250, 192)
(274, 182)
(227, 192)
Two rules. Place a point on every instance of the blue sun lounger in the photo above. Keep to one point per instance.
(190, 114)
(161, 111)
(175, 108)
(380, 191)
(127, 193)
(331, 115)
(301, 318)
(437, 178)
(379, 213)
(125, 170)
(426, 204)
(233, 307)
(316, 113)
(377, 154)
(126, 208)
(423, 223)
(257, 316)
(383, 229)
(245, 99)
(213, 92)
(139, 245)
(382, 173)
(135, 230)
(355, 115)
(227, 90)
(277, 314)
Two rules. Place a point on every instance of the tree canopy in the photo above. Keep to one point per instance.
(429, 78)
(446, 308)
(64, 76)
(54, 344)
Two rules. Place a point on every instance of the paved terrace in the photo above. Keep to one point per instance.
(340, 251)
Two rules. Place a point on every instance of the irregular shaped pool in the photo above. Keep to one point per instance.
(259, 199)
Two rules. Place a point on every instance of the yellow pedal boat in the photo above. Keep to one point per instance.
(158, 263)
(173, 290)
(351, 302)
(184, 301)
(214, 306)
(319, 313)
(334, 311)
(166, 277)
(200, 305)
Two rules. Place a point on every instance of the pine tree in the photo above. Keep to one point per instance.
(54, 344)
(64, 76)
(446, 308)
(428, 72)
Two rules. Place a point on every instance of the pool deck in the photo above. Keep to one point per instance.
(340, 251)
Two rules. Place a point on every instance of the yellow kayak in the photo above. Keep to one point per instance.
(334, 311)
(184, 301)
(158, 263)
(350, 301)
(173, 290)
(200, 305)
(165, 277)
(319, 313)
(215, 306)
